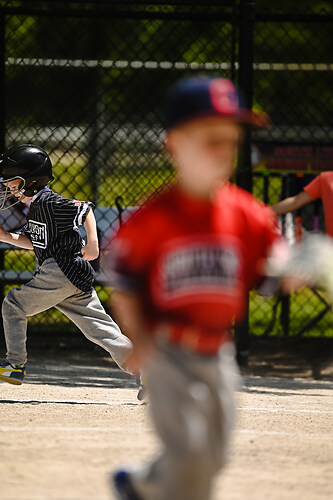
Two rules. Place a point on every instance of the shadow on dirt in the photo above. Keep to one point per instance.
(94, 372)
(283, 386)
(309, 358)
(67, 358)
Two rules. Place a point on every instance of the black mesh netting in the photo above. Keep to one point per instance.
(85, 80)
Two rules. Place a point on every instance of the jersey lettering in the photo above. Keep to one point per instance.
(200, 266)
(38, 233)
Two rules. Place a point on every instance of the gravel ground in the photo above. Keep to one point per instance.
(77, 417)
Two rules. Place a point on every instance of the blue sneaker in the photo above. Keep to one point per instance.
(123, 486)
(12, 374)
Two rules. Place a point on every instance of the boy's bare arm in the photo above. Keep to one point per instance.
(292, 203)
(19, 240)
(90, 251)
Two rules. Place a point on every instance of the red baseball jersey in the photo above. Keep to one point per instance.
(192, 261)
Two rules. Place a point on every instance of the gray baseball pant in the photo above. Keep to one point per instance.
(50, 288)
(192, 407)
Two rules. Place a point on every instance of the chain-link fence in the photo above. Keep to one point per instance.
(85, 80)
(292, 78)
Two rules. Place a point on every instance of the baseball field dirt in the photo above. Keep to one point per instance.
(76, 418)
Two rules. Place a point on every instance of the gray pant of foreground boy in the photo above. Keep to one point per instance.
(193, 411)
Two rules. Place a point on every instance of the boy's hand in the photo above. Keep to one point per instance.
(3, 233)
(90, 251)
(140, 355)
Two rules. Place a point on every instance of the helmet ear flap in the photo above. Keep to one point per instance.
(31, 187)
(31, 184)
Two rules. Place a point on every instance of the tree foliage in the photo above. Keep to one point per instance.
(76, 67)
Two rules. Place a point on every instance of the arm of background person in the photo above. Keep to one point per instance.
(292, 203)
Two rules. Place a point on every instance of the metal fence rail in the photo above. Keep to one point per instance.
(85, 80)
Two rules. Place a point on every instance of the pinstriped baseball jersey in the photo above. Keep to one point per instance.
(52, 227)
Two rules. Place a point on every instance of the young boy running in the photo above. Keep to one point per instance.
(182, 267)
(64, 276)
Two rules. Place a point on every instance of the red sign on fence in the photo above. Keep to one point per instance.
(290, 158)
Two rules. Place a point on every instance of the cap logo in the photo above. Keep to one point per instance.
(223, 96)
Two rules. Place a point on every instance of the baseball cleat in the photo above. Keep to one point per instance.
(122, 484)
(12, 374)
(142, 391)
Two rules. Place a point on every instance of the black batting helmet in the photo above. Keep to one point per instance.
(29, 163)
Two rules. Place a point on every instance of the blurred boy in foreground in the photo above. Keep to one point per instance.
(182, 267)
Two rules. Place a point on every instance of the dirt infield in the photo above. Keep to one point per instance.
(76, 419)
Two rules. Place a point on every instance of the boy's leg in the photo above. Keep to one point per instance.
(88, 314)
(48, 287)
(192, 404)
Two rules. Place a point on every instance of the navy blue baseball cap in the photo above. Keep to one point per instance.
(199, 97)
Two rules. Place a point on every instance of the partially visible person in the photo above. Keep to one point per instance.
(181, 268)
(64, 277)
(321, 187)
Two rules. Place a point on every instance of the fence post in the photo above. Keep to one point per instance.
(285, 298)
(2, 122)
(266, 187)
(244, 173)
(2, 82)
(245, 82)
